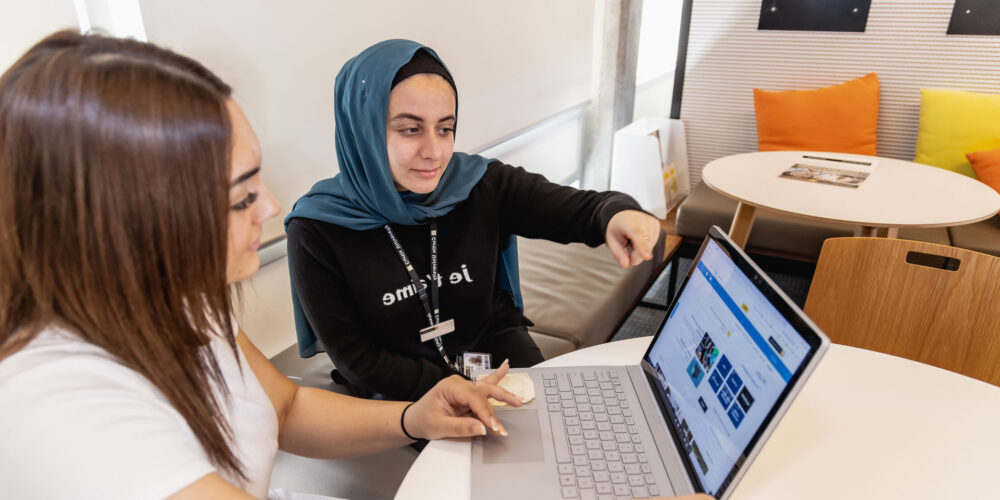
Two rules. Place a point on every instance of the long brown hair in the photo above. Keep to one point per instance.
(114, 168)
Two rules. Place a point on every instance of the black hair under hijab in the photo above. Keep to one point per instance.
(423, 62)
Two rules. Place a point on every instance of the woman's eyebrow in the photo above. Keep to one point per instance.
(406, 116)
(246, 175)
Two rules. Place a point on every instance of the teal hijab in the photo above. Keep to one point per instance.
(363, 196)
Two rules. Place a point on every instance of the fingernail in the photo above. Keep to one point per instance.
(505, 361)
(503, 432)
(494, 424)
(482, 430)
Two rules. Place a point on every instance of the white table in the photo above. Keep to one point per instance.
(897, 193)
(866, 425)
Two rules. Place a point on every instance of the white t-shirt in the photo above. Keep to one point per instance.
(75, 423)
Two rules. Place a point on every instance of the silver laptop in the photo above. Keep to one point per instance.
(722, 369)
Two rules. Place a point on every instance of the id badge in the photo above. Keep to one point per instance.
(435, 331)
(472, 362)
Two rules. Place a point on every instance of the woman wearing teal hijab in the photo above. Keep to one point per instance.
(405, 262)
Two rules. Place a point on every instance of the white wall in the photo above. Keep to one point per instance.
(516, 63)
(550, 148)
(22, 23)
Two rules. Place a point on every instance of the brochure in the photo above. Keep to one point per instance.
(827, 170)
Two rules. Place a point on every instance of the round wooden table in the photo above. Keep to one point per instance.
(896, 194)
(866, 425)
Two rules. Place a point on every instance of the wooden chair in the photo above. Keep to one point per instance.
(931, 303)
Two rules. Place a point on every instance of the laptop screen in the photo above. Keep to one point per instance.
(724, 359)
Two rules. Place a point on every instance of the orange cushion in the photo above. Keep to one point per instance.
(840, 119)
(987, 167)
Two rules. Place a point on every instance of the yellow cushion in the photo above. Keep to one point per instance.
(954, 122)
(840, 119)
(987, 167)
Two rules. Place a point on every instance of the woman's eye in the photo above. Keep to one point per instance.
(245, 202)
(410, 131)
(446, 131)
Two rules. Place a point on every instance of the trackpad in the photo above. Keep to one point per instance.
(523, 444)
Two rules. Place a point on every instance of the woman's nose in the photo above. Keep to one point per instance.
(432, 147)
(269, 206)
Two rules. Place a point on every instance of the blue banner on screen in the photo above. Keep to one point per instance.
(742, 318)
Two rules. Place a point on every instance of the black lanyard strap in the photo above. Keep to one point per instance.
(431, 307)
(434, 275)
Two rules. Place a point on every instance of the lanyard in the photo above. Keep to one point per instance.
(431, 306)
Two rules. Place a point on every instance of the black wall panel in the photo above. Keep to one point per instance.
(814, 15)
(975, 17)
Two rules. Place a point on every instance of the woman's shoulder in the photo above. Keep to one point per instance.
(314, 230)
(317, 238)
(57, 360)
(498, 168)
(499, 173)
(53, 346)
(311, 241)
(503, 179)
(303, 227)
(73, 406)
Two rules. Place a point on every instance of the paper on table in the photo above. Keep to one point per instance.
(845, 172)
(825, 175)
(518, 383)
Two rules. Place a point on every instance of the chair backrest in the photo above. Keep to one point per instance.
(931, 303)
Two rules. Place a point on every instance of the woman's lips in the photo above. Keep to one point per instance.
(426, 174)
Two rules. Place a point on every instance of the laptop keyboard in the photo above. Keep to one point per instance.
(598, 449)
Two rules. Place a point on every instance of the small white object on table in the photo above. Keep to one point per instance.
(866, 425)
(897, 193)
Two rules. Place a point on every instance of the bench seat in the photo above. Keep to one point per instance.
(983, 236)
(577, 295)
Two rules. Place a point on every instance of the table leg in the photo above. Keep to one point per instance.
(739, 230)
(866, 231)
(877, 232)
(888, 232)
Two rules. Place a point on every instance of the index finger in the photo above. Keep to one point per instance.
(497, 375)
(642, 249)
(653, 230)
(483, 411)
(500, 394)
(645, 249)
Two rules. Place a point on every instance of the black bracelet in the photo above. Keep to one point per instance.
(401, 426)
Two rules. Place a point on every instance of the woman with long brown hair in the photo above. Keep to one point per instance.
(130, 201)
